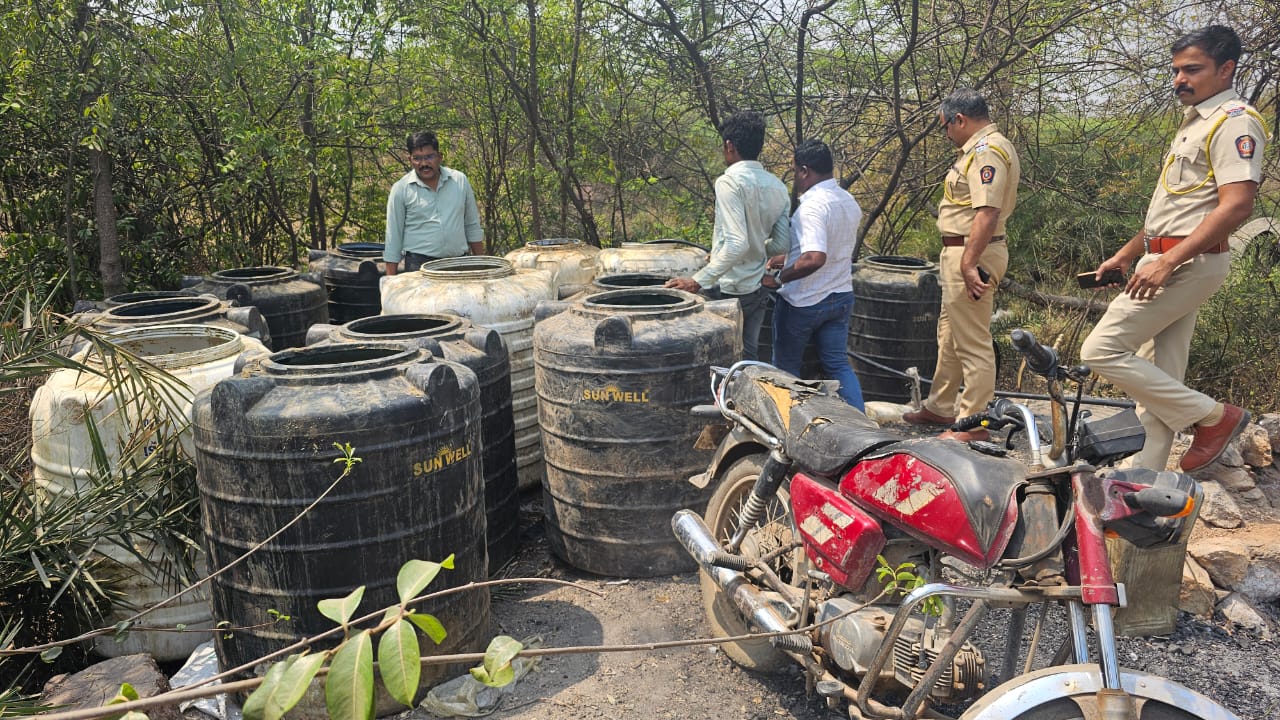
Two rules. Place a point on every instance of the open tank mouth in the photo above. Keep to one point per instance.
(403, 325)
(335, 355)
(168, 306)
(360, 249)
(630, 280)
(253, 273)
(637, 299)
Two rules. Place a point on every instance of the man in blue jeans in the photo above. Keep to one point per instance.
(815, 279)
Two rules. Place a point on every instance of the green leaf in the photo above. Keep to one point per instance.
(429, 625)
(126, 694)
(348, 689)
(255, 706)
(399, 662)
(496, 670)
(282, 687)
(340, 610)
(51, 654)
(414, 576)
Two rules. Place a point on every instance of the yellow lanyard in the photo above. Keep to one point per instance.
(1208, 156)
(946, 192)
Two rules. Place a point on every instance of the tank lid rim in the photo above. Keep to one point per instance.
(395, 354)
(254, 274)
(448, 324)
(231, 343)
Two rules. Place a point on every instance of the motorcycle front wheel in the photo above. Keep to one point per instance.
(1066, 692)
(775, 530)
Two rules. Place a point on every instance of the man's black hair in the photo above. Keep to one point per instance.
(426, 138)
(815, 155)
(746, 131)
(1217, 41)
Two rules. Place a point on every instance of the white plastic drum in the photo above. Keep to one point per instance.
(193, 357)
(490, 292)
(572, 263)
(671, 258)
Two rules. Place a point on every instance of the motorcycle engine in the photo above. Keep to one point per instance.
(853, 640)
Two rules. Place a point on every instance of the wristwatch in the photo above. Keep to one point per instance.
(776, 275)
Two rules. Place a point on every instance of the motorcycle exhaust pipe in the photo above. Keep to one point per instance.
(750, 603)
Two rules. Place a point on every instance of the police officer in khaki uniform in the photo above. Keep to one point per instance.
(1206, 189)
(978, 196)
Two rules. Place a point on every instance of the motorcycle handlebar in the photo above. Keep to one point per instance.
(1042, 359)
(997, 415)
(1161, 502)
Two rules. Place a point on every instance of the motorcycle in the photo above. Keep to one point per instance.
(870, 559)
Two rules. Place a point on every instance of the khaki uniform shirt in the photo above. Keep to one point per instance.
(985, 175)
(1219, 142)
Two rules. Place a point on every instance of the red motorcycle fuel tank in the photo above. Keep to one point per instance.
(943, 494)
(841, 539)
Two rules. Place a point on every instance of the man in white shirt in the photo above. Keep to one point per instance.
(815, 282)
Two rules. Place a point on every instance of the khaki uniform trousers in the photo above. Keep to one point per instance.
(965, 355)
(1142, 346)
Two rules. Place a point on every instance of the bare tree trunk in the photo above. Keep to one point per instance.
(104, 215)
(69, 222)
(535, 118)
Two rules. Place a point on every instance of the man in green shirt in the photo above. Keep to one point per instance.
(752, 224)
(431, 211)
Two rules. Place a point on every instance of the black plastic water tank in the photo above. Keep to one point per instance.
(351, 273)
(290, 301)
(481, 349)
(616, 375)
(265, 451)
(894, 323)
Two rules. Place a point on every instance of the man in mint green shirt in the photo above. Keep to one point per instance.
(431, 211)
(752, 208)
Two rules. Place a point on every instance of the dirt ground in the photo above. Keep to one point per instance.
(1238, 670)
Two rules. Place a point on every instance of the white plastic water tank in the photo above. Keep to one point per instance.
(572, 263)
(673, 258)
(129, 423)
(490, 292)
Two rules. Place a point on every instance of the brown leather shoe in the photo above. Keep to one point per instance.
(966, 435)
(925, 416)
(1211, 441)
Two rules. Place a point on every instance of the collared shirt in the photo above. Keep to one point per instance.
(437, 222)
(751, 224)
(826, 222)
(985, 175)
(1188, 185)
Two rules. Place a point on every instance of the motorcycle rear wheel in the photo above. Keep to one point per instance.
(1066, 692)
(773, 531)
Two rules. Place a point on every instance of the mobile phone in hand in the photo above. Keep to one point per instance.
(1088, 280)
(983, 275)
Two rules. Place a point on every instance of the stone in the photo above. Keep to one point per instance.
(1268, 480)
(1255, 446)
(1196, 595)
(1235, 479)
(1246, 562)
(97, 684)
(1239, 611)
(1218, 508)
(1224, 558)
(1270, 422)
(1254, 497)
(1231, 457)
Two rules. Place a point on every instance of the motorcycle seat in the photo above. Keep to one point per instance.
(821, 432)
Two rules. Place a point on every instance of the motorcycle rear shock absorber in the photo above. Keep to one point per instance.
(771, 475)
